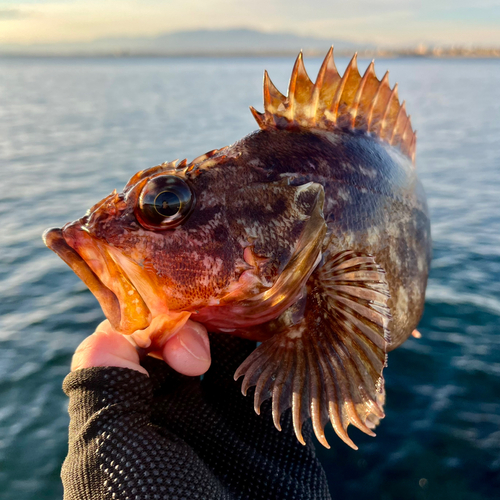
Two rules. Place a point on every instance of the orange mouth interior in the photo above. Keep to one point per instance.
(54, 239)
(120, 301)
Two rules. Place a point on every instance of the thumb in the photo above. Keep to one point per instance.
(188, 351)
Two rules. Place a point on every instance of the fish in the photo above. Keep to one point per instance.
(311, 236)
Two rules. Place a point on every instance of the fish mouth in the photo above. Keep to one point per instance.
(119, 299)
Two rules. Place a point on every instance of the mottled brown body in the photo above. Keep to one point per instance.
(374, 203)
(310, 235)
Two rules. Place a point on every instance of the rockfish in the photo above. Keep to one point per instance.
(311, 235)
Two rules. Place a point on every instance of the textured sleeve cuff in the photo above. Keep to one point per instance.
(92, 389)
(103, 401)
(115, 452)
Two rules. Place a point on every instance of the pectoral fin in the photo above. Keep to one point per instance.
(327, 357)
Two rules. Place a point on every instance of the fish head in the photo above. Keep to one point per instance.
(225, 249)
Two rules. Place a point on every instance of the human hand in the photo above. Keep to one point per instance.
(170, 436)
(187, 352)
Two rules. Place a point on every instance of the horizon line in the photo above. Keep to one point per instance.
(415, 52)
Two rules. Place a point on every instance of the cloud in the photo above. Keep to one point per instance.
(386, 22)
(12, 14)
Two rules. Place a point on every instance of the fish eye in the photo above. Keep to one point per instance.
(165, 202)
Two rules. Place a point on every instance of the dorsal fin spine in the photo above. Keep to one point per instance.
(272, 99)
(300, 94)
(412, 148)
(340, 90)
(357, 98)
(384, 83)
(293, 83)
(328, 61)
(394, 94)
(267, 96)
(399, 118)
(406, 137)
(259, 117)
(330, 80)
(351, 102)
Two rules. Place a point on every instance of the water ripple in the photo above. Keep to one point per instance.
(73, 130)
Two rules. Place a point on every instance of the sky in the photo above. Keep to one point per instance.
(391, 23)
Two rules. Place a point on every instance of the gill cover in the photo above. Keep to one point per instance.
(284, 230)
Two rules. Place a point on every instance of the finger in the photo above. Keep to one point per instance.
(188, 352)
(105, 347)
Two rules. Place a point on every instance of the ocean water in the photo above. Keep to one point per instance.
(72, 130)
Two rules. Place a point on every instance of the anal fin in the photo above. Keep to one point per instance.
(327, 357)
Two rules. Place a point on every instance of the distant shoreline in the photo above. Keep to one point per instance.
(240, 42)
(363, 54)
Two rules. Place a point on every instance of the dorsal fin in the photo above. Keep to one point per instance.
(349, 102)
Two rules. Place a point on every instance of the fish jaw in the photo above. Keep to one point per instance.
(120, 301)
(54, 239)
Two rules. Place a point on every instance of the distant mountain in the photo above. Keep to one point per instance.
(197, 42)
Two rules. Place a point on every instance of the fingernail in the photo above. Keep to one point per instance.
(195, 343)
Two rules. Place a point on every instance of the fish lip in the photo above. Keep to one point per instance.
(66, 243)
(54, 239)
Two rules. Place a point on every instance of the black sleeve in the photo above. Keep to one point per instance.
(174, 437)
